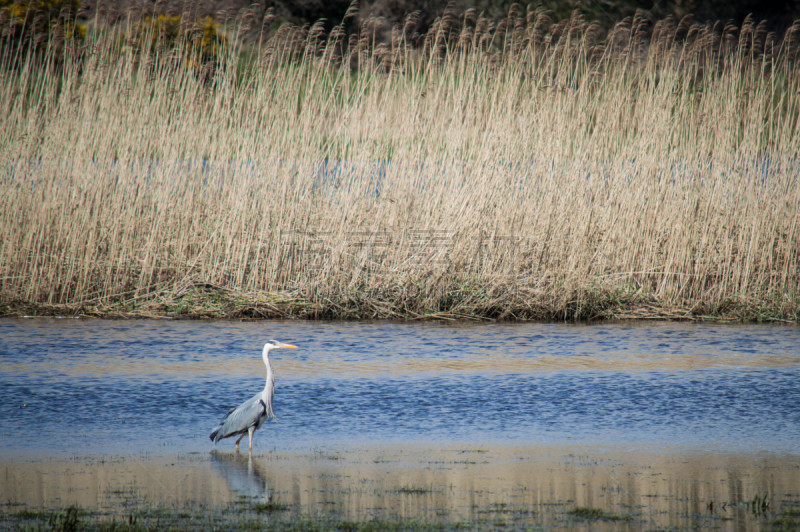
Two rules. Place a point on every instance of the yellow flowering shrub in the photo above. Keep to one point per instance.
(201, 41)
(39, 24)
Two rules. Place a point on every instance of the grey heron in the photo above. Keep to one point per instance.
(250, 415)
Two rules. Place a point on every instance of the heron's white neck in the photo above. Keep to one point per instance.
(270, 377)
(269, 387)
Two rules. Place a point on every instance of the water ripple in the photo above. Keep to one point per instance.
(106, 385)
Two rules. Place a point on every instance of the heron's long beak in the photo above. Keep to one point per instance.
(288, 346)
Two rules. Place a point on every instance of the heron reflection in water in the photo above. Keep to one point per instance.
(250, 415)
(242, 476)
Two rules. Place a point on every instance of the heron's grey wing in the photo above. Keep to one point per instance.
(240, 418)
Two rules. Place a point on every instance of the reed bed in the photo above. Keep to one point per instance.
(520, 169)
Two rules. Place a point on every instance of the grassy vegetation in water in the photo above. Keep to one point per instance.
(544, 172)
(589, 513)
(73, 518)
(278, 517)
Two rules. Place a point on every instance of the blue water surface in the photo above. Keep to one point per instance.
(102, 386)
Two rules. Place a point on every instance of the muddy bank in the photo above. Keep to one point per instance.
(219, 303)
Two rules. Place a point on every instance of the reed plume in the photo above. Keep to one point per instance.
(522, 168)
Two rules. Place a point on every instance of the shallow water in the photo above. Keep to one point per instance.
(670, 425)
(484, 487)
(130, 386)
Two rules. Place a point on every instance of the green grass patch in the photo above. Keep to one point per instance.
(380, 525)
(588, 513)
(270, 507)
(414, 490)
(785, 523)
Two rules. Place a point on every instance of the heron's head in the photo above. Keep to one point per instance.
(274, 344)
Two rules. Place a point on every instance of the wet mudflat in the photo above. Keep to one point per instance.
(632, 426)
(481, 487)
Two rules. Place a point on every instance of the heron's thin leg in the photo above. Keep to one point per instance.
(240, 439)
(250, 432)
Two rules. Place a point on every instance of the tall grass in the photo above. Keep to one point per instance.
(520, 169)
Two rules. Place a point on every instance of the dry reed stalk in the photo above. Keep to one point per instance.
(529, 171)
